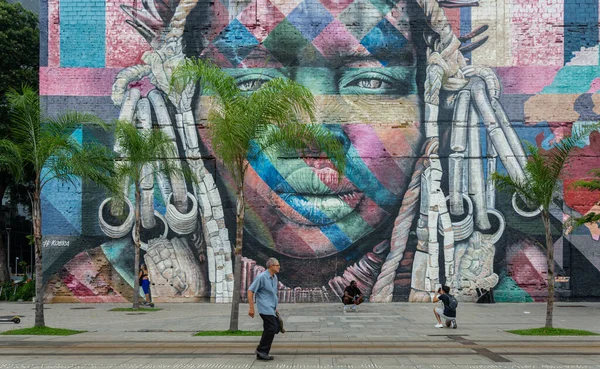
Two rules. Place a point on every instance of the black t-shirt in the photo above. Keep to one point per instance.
(352, 291)
(445, 298)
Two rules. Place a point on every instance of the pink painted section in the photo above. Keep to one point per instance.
(536, 41)
(526, 80)
(143, 85)
(263, 13)
(594, 86)
(124, 45)
(53, 34)
(453, 16)
(526, 264)
(77, 81)
(336, 40)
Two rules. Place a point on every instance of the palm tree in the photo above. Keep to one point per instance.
(591, 185)
(543, 172)
(143, 154)
(44, 146)
(243, 124)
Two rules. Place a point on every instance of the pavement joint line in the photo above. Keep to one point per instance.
(303, 344)
(480, 351)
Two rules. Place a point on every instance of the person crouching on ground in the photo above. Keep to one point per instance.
(265, 288)
(449, 311)
(353, 296)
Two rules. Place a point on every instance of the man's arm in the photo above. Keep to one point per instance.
(435, 297)
(251, 303)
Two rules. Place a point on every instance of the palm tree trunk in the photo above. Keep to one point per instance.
(237, 266)
(136, 245)
(550, 260)
(4, 277)
(37, 236)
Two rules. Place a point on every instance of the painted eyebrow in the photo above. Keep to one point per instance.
(352, 58)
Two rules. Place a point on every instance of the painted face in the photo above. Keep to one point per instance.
(358, 60)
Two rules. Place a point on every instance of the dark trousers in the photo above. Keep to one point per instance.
(270, 329)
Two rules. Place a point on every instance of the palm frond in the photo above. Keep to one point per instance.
(590, 218)
(270, 117)
(301, 137)
(506, 183)
(559, 154)
(592, 184)
(11, 159)
(211, 79)
(71, 120)
(146, 147)
(90, 161)
(25, 119)
(280, 100)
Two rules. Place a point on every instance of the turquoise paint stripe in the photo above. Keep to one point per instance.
(581, 26)
(359, 173)
(82, 33)
(573, 80)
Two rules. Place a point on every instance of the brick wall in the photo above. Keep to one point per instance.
(365, 61)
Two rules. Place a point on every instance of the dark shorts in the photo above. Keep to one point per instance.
(146, 286)
(440, 312)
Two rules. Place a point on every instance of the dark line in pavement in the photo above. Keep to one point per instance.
(480, 351)
(199, 339)
(220, 354)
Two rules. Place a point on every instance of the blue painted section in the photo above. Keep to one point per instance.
(235, 42)
(82, 33)
(120, 254)
(384, 41)
(465, 27)
(43, 33)
(265, 169)
(61, 203)
(61, 218)
(581, 26)
(310, 18)
(573, 80)
(528, 135)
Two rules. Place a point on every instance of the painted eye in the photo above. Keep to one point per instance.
(250, 85)
(372, 83)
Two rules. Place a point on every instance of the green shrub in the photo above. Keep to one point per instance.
(22, 291)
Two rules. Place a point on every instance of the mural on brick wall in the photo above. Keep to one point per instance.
(428, 97)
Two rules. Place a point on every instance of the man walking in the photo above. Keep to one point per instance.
(264, 287)
(449, 311)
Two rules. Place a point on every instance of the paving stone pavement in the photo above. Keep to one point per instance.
(319, 336)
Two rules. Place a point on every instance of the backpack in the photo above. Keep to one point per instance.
(452, 302)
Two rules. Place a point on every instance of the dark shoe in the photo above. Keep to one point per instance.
(448, 323)
(454, 325)
(263, 356)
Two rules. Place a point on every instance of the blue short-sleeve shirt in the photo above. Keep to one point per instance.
(265, 290)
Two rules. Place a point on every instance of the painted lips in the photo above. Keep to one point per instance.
(317, 197)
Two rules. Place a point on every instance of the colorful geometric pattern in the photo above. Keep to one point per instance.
(550, 79)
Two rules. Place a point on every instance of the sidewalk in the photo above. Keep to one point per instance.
(318, 336)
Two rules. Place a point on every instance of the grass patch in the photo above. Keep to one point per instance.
(553, 332)
(229, 333)
(138, 309)
(42, 331)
